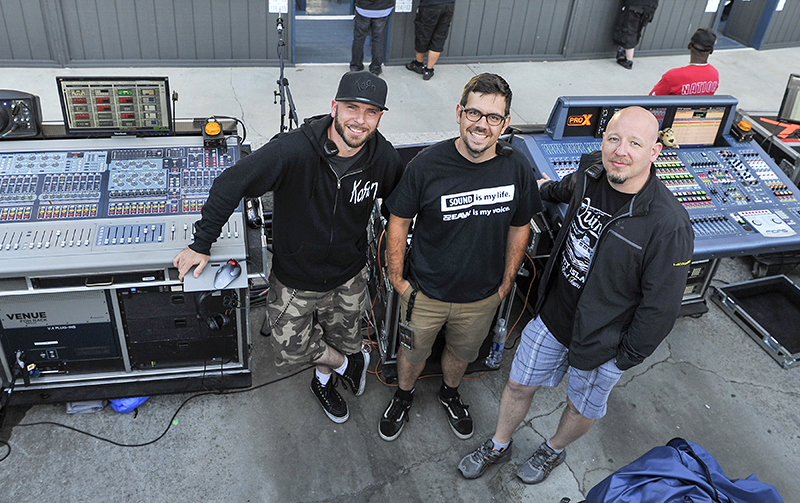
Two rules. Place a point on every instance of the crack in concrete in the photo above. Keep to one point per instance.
(242, 112)
(372, 489)
(670, 361)
(235, 95)
(582, 485)
(529, 424)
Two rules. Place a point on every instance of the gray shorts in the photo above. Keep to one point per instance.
(304, 323)
(541, 360)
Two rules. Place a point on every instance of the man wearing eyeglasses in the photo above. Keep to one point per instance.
(473, 199)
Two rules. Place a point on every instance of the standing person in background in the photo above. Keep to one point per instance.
(430, 33)
(697, 78)
(372, 17)
(635, 15)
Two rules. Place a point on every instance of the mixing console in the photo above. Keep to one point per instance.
(77, 200)
(739, 201)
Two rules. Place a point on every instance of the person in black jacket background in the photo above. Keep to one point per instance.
(609, 295)
(371, 18)
(632, 19)
(325, 177)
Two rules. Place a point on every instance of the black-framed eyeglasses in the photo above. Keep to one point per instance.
(474, 115)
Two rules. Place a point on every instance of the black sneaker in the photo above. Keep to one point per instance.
(624, 63)
(356, 68)
(474, 464)
(393, 419)
(427, 73)
(621, 54)
(458, 416)
(539, 466)
(415, 66)
(376, 71)
(330, 399)
(355, 376)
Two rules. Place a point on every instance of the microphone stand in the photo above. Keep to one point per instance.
(283, 86)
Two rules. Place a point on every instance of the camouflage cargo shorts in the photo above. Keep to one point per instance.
(305, 322)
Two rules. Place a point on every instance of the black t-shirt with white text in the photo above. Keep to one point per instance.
(341, 164)
(599, 204)
(463, 212)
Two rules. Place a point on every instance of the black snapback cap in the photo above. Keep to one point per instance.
(703, 40)
(363, 87)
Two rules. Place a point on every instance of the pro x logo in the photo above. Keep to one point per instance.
(580, 120)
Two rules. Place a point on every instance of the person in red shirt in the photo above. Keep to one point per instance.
(697, 78)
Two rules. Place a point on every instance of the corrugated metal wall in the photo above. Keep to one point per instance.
(743, 20)
(673, 25)
(241, 32)
(492, 30)
(23, 36)
(140, 32)
(543, 29)
(759, 24)
(784, 30)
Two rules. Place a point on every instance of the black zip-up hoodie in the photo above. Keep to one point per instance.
(319, 219)
(637, 274)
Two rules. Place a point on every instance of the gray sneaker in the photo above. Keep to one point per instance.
(539, 466)
(474, 465)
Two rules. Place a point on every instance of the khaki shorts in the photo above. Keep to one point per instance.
(306, 322)
(466, 325)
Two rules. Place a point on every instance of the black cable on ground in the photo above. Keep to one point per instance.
(169, 425)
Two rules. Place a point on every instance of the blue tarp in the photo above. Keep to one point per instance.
(681, 471)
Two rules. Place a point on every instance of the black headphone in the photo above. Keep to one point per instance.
(215, 321)
(503, 148)
(330, 148)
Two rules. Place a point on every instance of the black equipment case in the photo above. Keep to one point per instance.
(768, 309)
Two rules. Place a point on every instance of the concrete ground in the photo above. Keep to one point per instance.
(708, 382)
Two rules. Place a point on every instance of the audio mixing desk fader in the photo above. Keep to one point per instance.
(94, 205)
(88, 293)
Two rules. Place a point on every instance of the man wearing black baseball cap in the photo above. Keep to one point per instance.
(697, 78)
(325, 177)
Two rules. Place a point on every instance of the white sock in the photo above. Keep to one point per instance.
(498, 445)
(557, 451)
(341, 369)
(323, 378)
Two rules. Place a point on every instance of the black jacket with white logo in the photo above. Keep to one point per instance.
(637, 274)
(319, 219)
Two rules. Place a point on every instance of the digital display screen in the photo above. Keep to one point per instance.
(107, 106)
(790, 107)
(607, 113)
(697, 126)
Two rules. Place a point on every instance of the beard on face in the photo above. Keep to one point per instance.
(344, 134)
(465, 139)
(615, 178)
